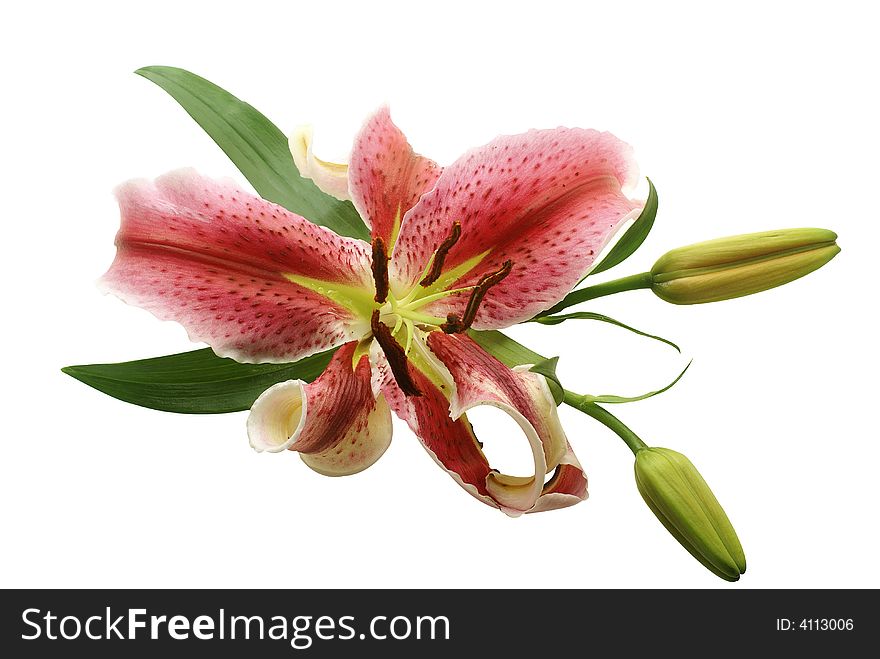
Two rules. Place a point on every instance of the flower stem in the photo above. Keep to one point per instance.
(606, 418)
(631, 283)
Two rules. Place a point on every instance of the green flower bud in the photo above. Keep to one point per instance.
(679, 497)
(740, 265)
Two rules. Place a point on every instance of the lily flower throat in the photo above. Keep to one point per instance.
(391, 316)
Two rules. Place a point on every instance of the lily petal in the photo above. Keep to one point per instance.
(567, 487)
(456, 375)
(451, 444)
(386, 177)
(336, 424)
(546, 200)
(220, 262)
(330, 177)
(480, 379)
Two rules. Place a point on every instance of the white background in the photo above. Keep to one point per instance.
(751, 117)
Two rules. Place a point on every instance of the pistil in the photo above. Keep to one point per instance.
(395, 354)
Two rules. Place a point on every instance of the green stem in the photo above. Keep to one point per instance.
(631, 283)
(606, 418)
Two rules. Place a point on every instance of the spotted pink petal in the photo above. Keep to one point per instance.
(216, 259)
(386, 177)
(451, 443)
(456, 375)
(547, 200)
(336, 424)
(480, 379)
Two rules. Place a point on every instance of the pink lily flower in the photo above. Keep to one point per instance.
(498, 236)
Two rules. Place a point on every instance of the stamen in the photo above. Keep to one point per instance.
(410, 333)
(380, 270)
(397, 325)
(455, 324)
(416, 317)
(396, 356)
(422, 301)
(440, 255)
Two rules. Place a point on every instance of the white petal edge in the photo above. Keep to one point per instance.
(330, 177)
(515, 494)
(278, 417)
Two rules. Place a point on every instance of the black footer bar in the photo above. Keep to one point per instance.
(316, 623)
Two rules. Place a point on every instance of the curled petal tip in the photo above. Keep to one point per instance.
(330, 177)
(335, 423)
(277, 417)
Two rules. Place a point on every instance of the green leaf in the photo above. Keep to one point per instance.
(588, 315)
(257, 147)
(547, 368)
(197, 382)
(506, 350)
(634, 236)
(627, 399)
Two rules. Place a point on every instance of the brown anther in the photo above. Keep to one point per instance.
(395, 355)
(455, 324)
(440, 255)
(380, 270)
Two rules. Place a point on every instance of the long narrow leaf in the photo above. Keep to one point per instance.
(631, 399)
(588, 315)
(196, 382)
(634, 236)
(506, 350)
(512, 353)
(257, 147)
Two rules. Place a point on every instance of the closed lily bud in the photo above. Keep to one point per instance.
(680, 498)
(740, 265)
